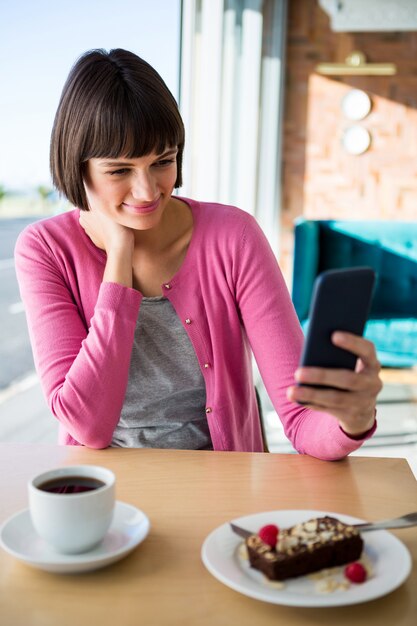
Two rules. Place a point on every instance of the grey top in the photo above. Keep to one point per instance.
(164, 405)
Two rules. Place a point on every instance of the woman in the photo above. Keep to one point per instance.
(144, 308)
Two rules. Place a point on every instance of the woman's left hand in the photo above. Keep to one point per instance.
(353, 400)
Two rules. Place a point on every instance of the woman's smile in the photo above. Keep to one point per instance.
(142, 209)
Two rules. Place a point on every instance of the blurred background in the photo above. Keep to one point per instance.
(302, 112)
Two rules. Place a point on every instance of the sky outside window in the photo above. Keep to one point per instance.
(39, 42)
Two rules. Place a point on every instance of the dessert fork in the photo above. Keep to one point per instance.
(405, 521)
(410, 519)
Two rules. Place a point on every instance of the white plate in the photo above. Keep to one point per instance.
(390, 561)
(128, 529)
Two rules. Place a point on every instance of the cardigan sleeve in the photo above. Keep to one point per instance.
(83, 369)
(276, 340)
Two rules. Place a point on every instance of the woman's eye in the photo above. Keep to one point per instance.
(120, 172)
(164, 162)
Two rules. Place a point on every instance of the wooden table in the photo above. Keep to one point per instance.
(186, 495)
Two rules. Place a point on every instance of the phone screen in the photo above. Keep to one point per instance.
(341, 301)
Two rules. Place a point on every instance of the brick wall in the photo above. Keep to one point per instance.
(320, 179)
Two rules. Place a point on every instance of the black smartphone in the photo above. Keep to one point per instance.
(341, 300)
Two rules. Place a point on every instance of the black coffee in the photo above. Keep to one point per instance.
(71, 484)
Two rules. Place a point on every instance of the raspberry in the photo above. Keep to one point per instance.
(269, 534)
(355, 572)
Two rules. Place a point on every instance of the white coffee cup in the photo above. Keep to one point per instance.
(72, 522)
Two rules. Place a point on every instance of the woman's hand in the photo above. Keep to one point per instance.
(353, 400)
(116, 240)
(106, 233)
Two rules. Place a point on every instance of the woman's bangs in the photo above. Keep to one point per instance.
(133, 133)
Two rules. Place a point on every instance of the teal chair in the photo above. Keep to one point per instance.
(388, 247)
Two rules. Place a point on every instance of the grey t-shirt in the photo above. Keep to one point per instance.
(164, 405)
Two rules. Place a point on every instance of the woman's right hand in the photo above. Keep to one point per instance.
(105, 233)
(116, 240)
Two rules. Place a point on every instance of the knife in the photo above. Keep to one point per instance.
(240, 531)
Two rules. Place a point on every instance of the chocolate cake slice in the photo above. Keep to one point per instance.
(308, 547)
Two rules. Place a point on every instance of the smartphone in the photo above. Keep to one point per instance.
(341, 300)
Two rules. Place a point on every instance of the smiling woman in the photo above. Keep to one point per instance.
(25, 129)
(144, 309)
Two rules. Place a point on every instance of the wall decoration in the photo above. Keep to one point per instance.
(356, 105)
(356, 140)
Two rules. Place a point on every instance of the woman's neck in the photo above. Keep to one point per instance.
(176, 223)
(159, 254)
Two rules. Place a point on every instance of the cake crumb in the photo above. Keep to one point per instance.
(243, 552)
(330, 585)
(275, 584)
(368, 565)
(328, 580)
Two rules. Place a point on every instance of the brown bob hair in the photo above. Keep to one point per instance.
(114, 104)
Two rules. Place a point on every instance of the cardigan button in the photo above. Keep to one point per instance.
(206, 365)
(188, 321)
(208, 409)
(167, 286)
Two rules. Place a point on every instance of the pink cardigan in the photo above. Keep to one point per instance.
(231, 298)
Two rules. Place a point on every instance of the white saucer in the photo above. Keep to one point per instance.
(129, 528)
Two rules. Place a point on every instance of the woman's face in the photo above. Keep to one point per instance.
(133, 192)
